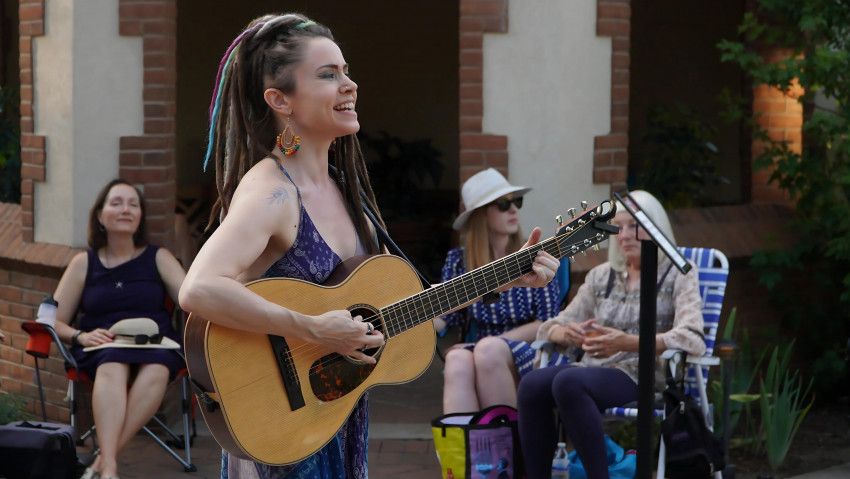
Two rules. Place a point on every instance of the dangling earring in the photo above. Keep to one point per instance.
(292, 144)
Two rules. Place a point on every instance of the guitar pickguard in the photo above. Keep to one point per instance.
(334, 376)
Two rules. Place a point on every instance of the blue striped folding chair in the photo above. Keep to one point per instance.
(713, 273)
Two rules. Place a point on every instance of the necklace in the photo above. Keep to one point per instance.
(118, 284)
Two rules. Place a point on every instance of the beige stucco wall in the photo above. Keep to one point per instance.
(547, 86)
(87, 93)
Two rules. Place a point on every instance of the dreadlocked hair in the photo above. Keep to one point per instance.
(242, 126)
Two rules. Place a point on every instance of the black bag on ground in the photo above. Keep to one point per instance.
(692, 449)
(37, 450)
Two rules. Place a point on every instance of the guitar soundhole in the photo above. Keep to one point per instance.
(333, 376)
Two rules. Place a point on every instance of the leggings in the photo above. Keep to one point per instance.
(580, 394)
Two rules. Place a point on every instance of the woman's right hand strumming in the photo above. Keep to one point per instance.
(339, 332)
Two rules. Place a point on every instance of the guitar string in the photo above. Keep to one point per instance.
(311, 347)
(394, 309)
(558, 241)
(402, 320)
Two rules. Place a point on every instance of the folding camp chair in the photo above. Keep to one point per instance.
(42, 335)
(713, 273)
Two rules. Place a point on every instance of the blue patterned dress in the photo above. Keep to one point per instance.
(515, 307)
(345, 456)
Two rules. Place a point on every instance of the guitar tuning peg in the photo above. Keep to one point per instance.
(596, 247)
(560, 220)
(571, 212)
(583, 205)
(572, 259)
(583, 253)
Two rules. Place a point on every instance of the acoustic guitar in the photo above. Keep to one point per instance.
(277, 400)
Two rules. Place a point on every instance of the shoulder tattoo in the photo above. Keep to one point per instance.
(278, 196)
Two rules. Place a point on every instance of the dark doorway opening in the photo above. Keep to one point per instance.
(404, 57)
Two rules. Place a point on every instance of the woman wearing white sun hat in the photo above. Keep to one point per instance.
(485, 371)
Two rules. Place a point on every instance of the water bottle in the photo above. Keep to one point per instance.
(47, 311)
(560, 463)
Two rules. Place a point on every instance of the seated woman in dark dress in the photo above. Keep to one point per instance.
(120, 276)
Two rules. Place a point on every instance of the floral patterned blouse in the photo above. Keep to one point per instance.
(678, 313)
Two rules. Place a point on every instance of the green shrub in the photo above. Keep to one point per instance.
(12, 408)
(783, 405)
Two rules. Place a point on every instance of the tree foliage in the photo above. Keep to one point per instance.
(10, 147)
(815, 36)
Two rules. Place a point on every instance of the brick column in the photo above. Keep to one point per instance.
(149, 160)
(780, 113)
(478, 150)
(610, 152)
(32, 146)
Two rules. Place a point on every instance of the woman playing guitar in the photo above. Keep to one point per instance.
(285, 104)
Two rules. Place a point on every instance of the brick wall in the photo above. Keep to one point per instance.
(21, 291)
(610, 152)
(781, 115)
(479, 150)
(149, 160)
(29, 270)
(31, 14)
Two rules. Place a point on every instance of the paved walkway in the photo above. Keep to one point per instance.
(836, 472)
(400, 439)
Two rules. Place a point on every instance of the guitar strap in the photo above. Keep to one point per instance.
(383, 236)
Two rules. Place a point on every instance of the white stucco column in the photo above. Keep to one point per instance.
(87, 94)
(547, 87)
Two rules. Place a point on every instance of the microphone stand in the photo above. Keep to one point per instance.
(646, 357)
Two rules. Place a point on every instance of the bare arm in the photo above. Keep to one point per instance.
(170, 271)
(212, 291)
(68, 294)
(526, 332)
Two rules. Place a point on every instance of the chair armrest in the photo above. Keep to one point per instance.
(32, 327)
(690, 359)
(669, 354)
(545, 348)
(66, 355)
(703, 360)
(543, 345)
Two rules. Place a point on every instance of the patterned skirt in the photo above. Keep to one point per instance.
(344, 457)
(524, 354)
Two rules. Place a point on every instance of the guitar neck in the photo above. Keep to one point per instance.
(452, 294)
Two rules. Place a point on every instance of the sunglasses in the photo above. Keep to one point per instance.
(504, 204)
(144, 338)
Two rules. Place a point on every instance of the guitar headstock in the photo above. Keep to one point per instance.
(586, 228)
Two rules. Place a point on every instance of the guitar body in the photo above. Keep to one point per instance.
(258, 418)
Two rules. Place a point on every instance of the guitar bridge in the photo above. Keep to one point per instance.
(288, 374)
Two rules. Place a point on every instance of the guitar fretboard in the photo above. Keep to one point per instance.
(452, 294)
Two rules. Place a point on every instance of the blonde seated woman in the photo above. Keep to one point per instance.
(602, 320)
(486, 371)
